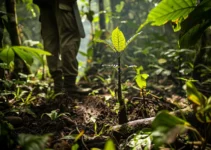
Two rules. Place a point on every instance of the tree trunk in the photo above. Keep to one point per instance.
(12, 21)
(1, 45)
(102, 15)
(19, 65)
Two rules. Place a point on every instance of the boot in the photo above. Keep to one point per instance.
(58, 81)
(71, 88)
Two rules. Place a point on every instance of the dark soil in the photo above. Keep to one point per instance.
(90, 115)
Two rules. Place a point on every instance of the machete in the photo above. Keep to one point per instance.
(78, 20)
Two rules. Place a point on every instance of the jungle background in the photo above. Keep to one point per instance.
(158, 97)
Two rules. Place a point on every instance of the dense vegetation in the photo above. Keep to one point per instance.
(148, 64)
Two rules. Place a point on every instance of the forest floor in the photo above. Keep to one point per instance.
(87, 120)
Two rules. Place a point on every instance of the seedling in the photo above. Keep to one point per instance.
(141, 82)
(54, 115)
(118, 45)
(50, 95)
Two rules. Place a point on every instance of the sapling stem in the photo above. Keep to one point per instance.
(144, 101)
(122, 109)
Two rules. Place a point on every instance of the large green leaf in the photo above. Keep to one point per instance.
(167, 127)
(191, 37)
(118, 40)
(7, 55)
(109, 145)
(35, 50)
(25, 56)
(193, 27)
(165, 119)
(170, 10)
(200, 13)
(194, 95)
(27, 53)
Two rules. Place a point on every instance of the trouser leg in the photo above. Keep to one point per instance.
(69, 45)
(50, 37)
(69, 42)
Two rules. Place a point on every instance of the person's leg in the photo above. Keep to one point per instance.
(49, 32)
(69, 45)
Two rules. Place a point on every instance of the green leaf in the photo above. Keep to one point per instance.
(193, 27)
(144, 76)
(32, 142)
(120, 6)
(139, 69)
(164, 135)
(165, 119)
(162, 61)
(25, 56)
(191, 37)
(95, 148)
(109, 145)
(7, 55)
(194, 95)
(35, 50)
(118, 40)
(204, 114)
(209, 100)
(132, 38)
(141, 80)
(75, 147)
(169, 10)
(53, 114)
(105, 42)
(79, 136)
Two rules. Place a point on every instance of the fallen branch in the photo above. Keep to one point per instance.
(143, 123)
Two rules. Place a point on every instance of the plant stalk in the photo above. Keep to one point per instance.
(122, 109)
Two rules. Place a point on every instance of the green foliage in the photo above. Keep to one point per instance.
(7, 54)
(54, 115)
(75, 147)
(192, 19)
(118, 40)
(141, 78)
(170, 10)
(109, 145)
(163, 118)
(119, 43)
(167, 127)
(194, 26)
(203, 112)
(141, 140)
(50, 94)
(194, 95)
(24, 97)
(6, 130)
(74, 137)
(120, 6)
(33, 142)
